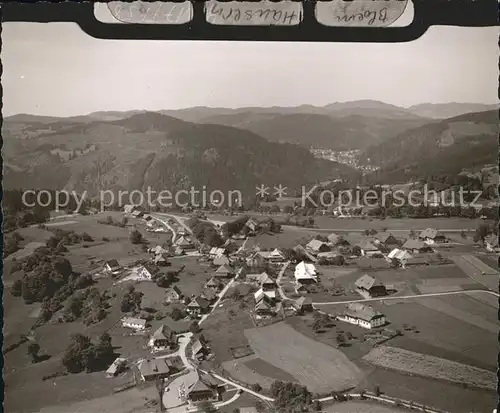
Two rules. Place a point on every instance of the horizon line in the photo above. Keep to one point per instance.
(249, 107)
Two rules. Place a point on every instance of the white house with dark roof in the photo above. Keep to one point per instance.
(415, 246)
(153, 369)
(363, 316)
(305, 273)
(112, 266)
(163, 338)
(138, 324)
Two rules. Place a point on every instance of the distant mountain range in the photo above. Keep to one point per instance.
(241, 148)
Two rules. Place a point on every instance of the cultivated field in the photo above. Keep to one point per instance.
(445, 328)
(253, 370)
(429, 366)
(321, 368)
(478, 270)
(362, 407)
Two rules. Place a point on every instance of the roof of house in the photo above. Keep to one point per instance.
(305, 270)
(173, 289)
(263, 305)
(303, 301)
(398, 254)
(316, 245)
(414, 244)
(116, 365)
(217, 251)
(329, 254)
(154, 366)
(183, 241)
(200, 382)
(224, 269)
(199, 302)
(197, 346)
(363, 312)
(367, 245)
(366, 282)
(161, 258)
(383, 237)
(163, 333)
(430, 233)
(133, 320)
(221, 260)
(113, 263)
(212, 282)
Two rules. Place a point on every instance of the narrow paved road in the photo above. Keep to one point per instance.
(164, 222)
(403, 297)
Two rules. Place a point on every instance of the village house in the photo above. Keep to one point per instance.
(184, 243)
(138, 324)
(163, 338)
(369, 287)
(316, 246)
(491, 243)
(137, 214)
(399, 255)
(303, 305)
(264, 307)
(161, 260)
(221, 260)
(224, 271)
(263, 280)
(301, 289)
(153, 369)
(274, 257)
(415, 246)
(112, 266)
(363, 316)
(215, 252)
(204, 387)
(252, 225)
(259, 295)
(173, 294)
(368, 249)
(116, 367)
(432, 236)
(144, 272)
(213, 283)
(199, 350)
(305, 273)
(386, 239)
(198, 306)
(301, 252)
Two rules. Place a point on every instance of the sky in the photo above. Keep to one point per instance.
(56, 69)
